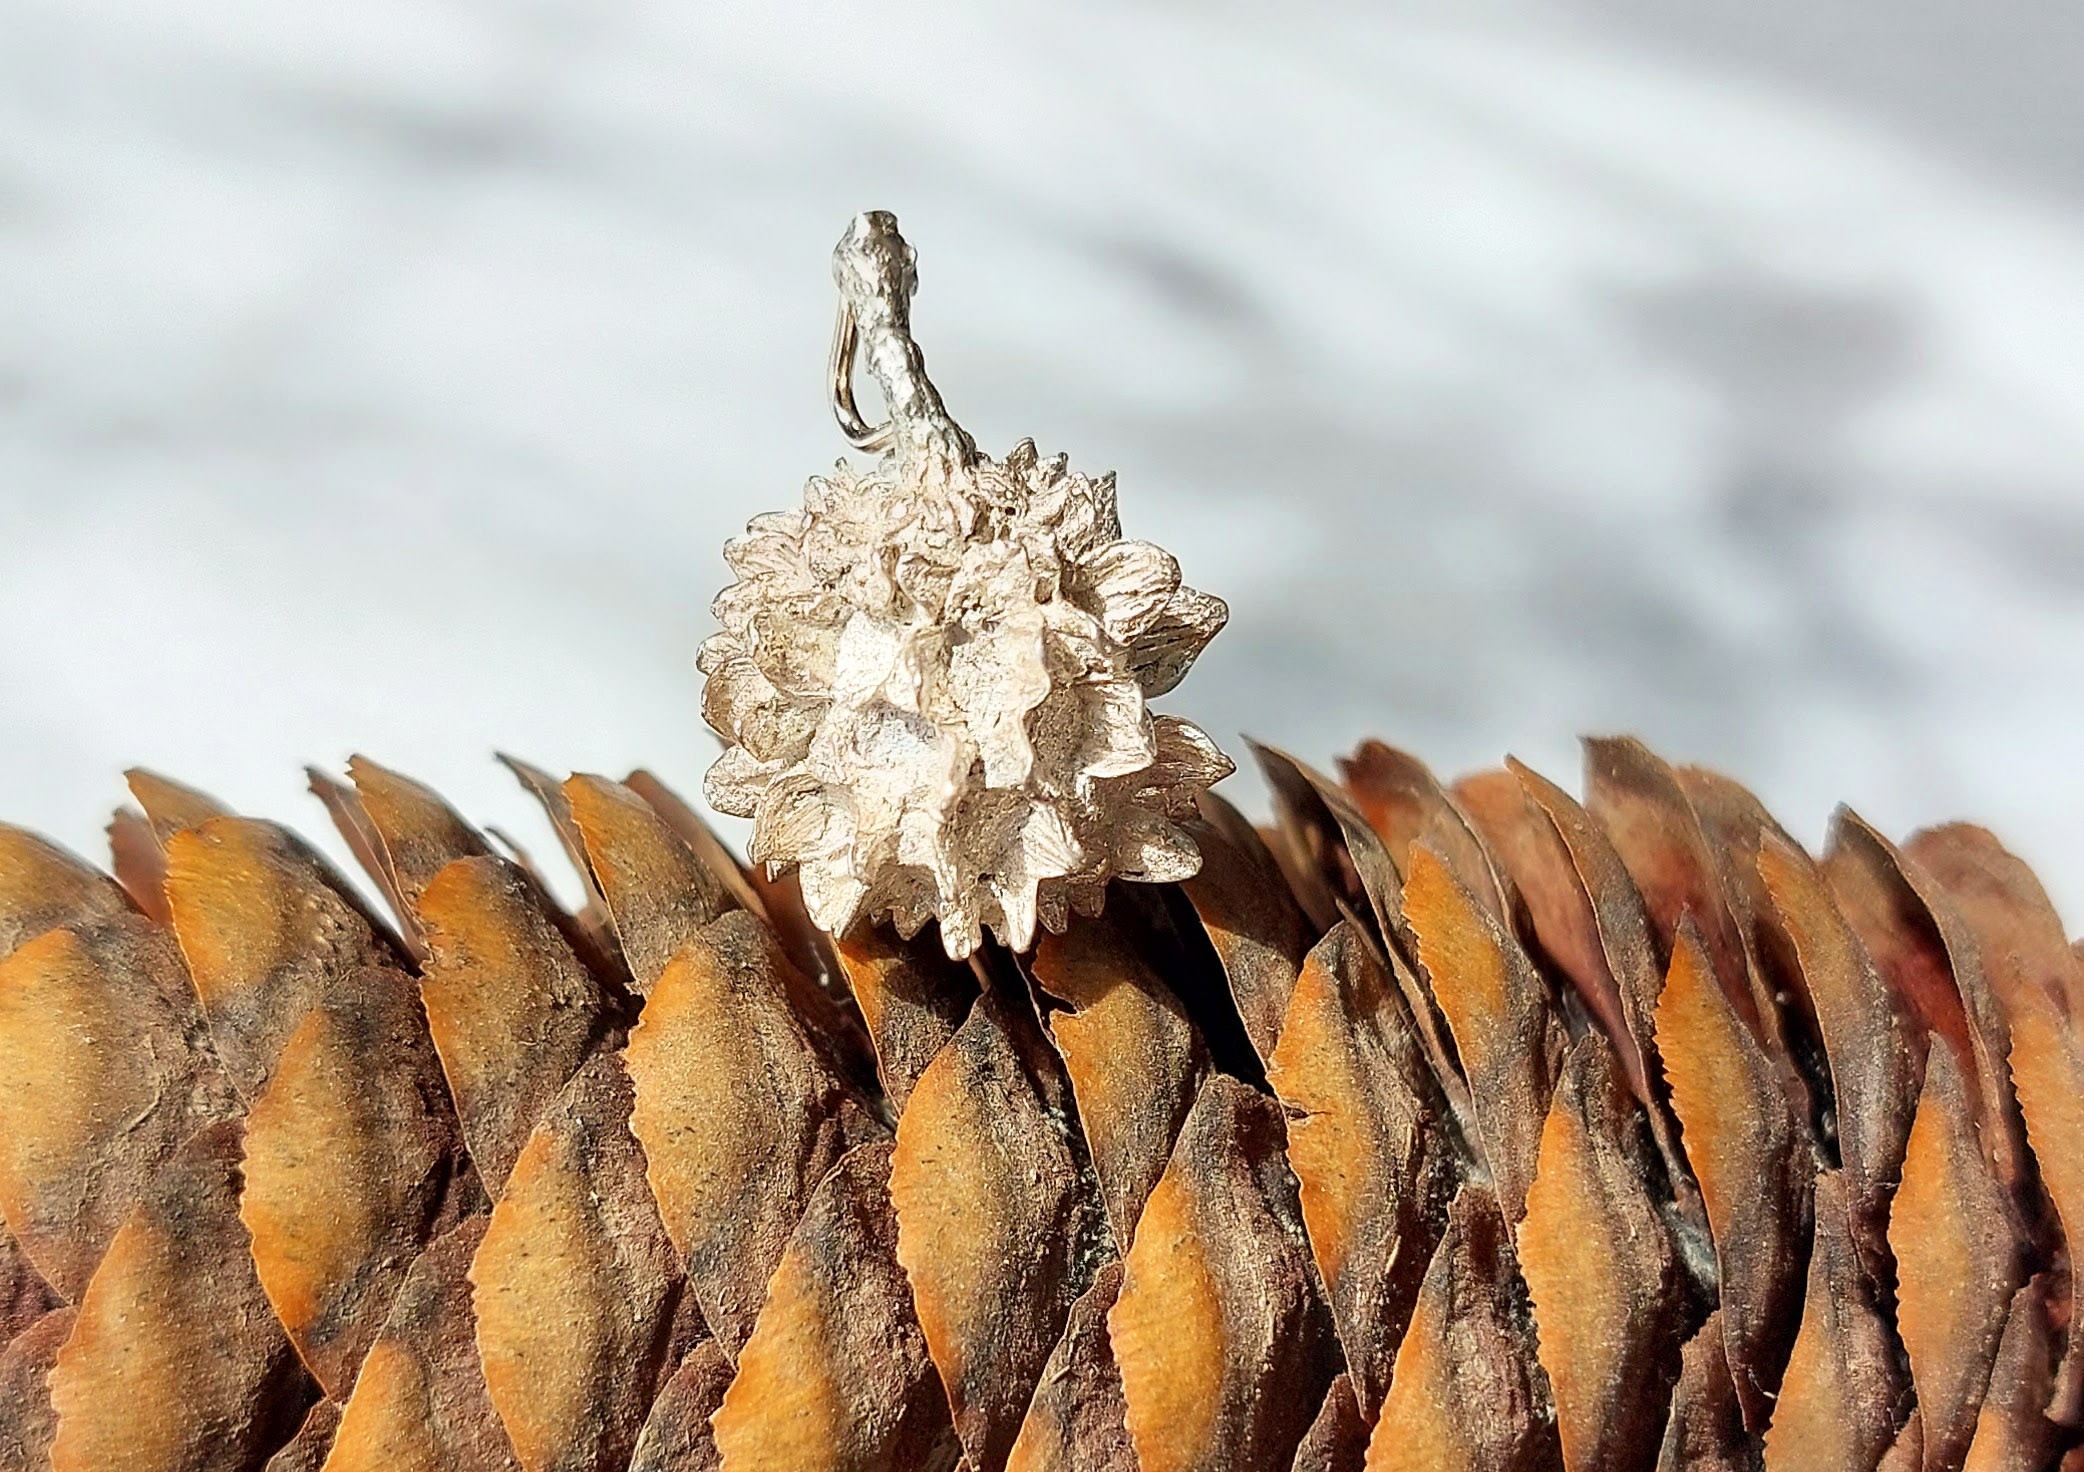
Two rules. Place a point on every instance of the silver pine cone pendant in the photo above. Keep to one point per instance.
(932, 679)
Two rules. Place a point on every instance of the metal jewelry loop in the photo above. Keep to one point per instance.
(859, 432)
(876, 276)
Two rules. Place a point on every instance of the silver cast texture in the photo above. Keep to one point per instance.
(932, 680)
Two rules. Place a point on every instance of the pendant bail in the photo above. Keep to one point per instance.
(877, 273)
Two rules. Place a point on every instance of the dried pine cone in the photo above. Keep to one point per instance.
(1469, 1127)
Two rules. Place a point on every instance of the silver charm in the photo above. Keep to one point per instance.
(931, 680)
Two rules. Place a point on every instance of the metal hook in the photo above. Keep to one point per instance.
(874, 270)
(859, 432)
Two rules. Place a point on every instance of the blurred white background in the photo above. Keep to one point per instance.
(386, 376)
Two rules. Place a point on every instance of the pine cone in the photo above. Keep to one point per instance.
(1430, 1127)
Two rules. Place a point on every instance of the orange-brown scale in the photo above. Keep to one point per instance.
(420, 1403)
(511, 1010)
(1309, 801)
(1934, 962)
(308, 1449)
(100, 1017)
(835, 1376)
(575, 1285)
(1957, 1260)
(1367, 1142)
(43, 887)
(2036, 982)
(1631, 960)
(997, 1218)
(1754, 1170)
(738, 1114)
(2012, 1430)
(1637, 800)
(1705, 1430)
(1224, 1342)
(1843, 1395)
(1406, 806)
(1497, 1008)
(1601, 1272)
(677, 1436)
(1077, 1421)
(27, 1420)
(1133, 1057)
(1337, 1440)
(1555, 918)
(267, 928)
(912, 1000)
(1468, 1394)
(1260, 934)
(1870, 1065)
(174, 1363)
(352, 1162)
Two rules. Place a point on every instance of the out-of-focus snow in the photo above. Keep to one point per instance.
(386, 376)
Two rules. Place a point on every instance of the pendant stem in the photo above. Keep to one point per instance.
(877, 273)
